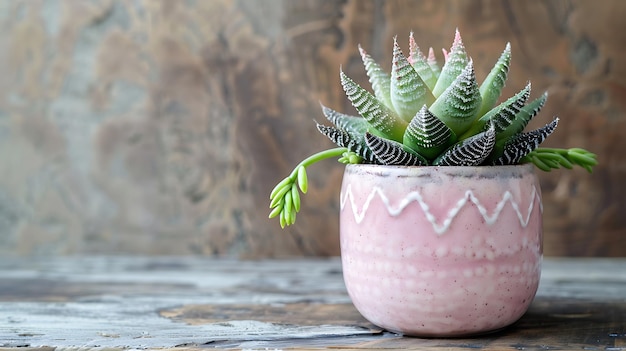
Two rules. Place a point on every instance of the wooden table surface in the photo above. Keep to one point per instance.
(183, 303)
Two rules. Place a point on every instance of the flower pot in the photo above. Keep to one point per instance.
(441, 251)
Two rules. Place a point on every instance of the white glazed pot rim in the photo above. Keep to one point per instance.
(461, 171)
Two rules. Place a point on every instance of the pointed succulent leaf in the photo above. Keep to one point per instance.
(408, 90)
(523, 117)
(432, 62)
(353, 142)
(458, 105)
(414, 50)
(469, 152)
(420, 64)
(492, 86)
(502, 115)
(427, 135)
(338, 136)
(381, 118)
(520, 145)
(389, 152)
(351, 124)
(456, 61)
(379, 79)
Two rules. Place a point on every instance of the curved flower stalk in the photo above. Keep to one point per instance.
(285, 197)
(423, 114)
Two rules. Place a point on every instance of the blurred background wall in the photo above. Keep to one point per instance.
(159, 127)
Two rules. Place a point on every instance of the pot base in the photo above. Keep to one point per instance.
(453, 335)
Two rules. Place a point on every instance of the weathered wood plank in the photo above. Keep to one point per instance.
(159, 127)
(192, 303)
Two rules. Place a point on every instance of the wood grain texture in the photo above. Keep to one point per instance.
(160, 127)
(187, 303)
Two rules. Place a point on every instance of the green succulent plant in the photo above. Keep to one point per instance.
(422, 114)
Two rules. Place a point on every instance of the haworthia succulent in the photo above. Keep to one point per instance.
(353, 142)
(351, 124)
(391, 153)
(502, 116)
(460, 127)
(469, 152)
(408, 90)
(458, 104)
(521, 145)
(432, 62)
(492, 86)
(420, 64)
(379, 79)
(523, 117)
(375, 112)
(336, 135)
(427, 134)
(456, 61)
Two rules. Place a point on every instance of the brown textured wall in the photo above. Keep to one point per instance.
(159, 127)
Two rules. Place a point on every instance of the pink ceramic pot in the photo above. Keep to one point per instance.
(441, 251)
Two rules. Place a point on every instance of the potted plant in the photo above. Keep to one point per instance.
(440, 223)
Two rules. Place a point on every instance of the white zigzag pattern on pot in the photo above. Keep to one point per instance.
(442, 227)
